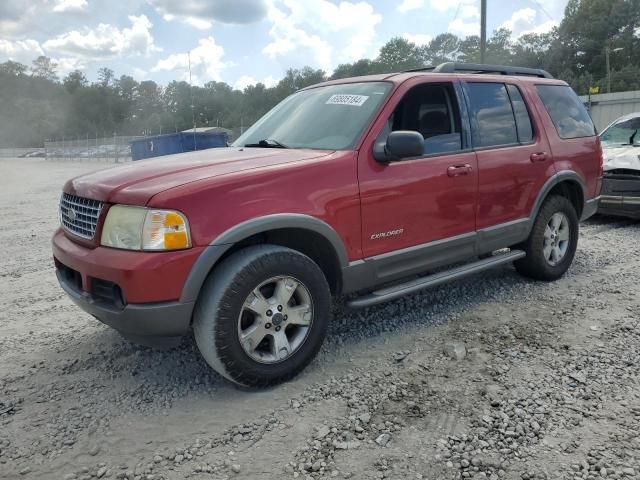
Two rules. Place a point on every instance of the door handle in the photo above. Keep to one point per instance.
(538, 157)
(457, 170)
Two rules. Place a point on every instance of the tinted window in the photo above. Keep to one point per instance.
(567, 111)
(491, 114)
(523, 121)
(432, 110)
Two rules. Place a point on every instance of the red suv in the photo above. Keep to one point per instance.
(349, 186)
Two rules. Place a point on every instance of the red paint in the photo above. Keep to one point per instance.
(144, 277)
(418, 200)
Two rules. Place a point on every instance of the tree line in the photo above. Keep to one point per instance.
(37, 105)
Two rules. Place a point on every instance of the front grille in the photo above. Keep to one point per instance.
(79, 215)
(622, 171)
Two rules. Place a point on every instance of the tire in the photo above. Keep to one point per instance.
(550, 250)
(246, 283)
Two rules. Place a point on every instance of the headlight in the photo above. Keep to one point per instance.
(139, 228)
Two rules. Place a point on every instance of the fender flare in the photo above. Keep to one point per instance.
(216, 249)
(562, 176)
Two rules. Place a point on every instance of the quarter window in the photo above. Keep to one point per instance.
(569, 116)
(523, 120)
(492, 117)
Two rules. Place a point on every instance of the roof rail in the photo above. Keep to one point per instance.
(453, 67)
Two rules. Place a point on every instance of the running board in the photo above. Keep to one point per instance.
(397, 291)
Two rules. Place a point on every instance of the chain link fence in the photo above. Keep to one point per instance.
(112, 149)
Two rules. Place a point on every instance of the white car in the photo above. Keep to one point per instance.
(621, 182)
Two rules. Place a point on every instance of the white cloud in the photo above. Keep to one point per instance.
(202, 13)
(442, 6)
(408, 5)
(70, 6)
(68, 64)
(139, 74)
(245, 80)
(467, 21)
(464, 29)
(106, 41)
(418, 38)
(206, 62)
(20, 50)
(310, 28)
(523, 21)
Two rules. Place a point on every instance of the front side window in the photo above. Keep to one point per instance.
(432, 110)
(492, 117)
(331, 117)
(566, 110)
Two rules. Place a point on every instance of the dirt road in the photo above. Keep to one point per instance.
(548, 386)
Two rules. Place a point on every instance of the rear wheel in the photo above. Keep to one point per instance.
(262, 315)
(552, 243)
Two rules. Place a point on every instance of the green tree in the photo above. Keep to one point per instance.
(44, 67)
(105, 76)
(13, 69)
(74, 80)
(399, 54)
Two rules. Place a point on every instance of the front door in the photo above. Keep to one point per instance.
(420, 212)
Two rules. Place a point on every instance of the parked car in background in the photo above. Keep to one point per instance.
(621, 180)
(351, 186)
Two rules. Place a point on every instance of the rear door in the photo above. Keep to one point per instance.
(514, 160)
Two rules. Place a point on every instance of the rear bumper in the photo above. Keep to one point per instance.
(620, 196)
(590, 208)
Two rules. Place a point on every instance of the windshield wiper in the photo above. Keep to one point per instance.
(267, 143)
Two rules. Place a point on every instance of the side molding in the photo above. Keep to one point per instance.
(227, 239)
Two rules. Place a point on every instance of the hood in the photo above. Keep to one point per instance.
(622, 156)
(136, 182)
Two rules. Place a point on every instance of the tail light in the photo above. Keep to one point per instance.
(601, 154)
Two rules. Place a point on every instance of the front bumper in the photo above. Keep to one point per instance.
(620, 196)
(137, 293)
(168, 319)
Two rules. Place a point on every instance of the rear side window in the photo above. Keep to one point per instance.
(567, 111)
(523, 121)
(491, 115)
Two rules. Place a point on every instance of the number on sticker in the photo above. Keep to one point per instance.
(345, 99)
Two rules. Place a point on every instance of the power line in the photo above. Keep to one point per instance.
(539, 5)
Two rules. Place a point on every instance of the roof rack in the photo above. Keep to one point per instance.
(453, 67)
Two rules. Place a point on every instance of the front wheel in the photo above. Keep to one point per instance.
(553, 241)
(262, 315)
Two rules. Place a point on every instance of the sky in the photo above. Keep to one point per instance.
(240, 42)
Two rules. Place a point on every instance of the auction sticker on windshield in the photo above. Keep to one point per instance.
(344, 99)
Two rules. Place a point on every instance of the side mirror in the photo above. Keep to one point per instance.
(400, 144)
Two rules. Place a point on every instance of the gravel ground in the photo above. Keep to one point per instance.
(492, 377)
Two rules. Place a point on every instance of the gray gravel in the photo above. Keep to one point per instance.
(491, 377)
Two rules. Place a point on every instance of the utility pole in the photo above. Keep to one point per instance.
(193, 112)
(483, 29)
(607, 53)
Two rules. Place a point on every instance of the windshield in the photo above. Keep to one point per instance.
(328, 118)
(624, 132)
